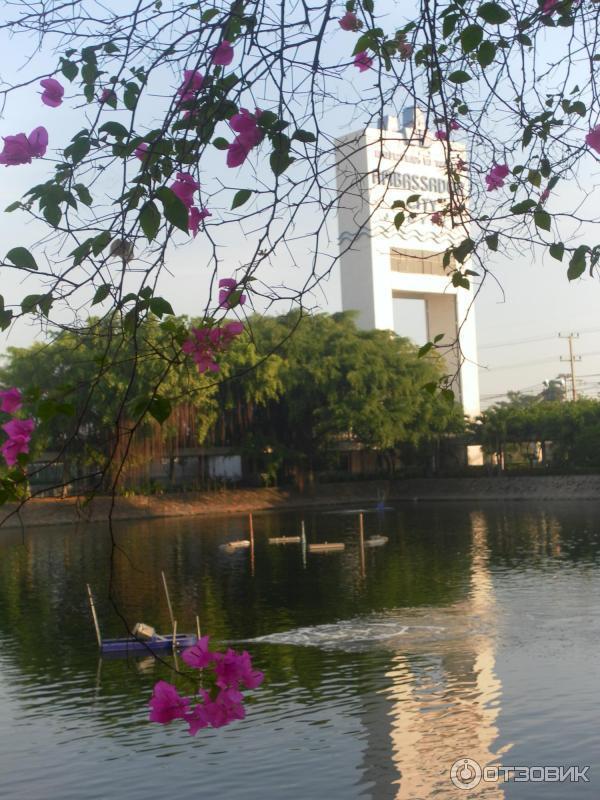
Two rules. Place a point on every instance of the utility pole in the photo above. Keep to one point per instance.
(572, 358)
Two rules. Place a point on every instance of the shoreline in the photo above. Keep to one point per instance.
(74, 510)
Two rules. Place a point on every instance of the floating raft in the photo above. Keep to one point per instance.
(376, 541)
(230, 547)
(131, 644)
(326, 547)
(285, 539)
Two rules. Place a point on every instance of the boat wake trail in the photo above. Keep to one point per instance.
(355, 634)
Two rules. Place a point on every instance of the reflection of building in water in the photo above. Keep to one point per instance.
(444, 706)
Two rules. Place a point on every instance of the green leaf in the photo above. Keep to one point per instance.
(534, 177)
(447, 395)
(459, 76)
(150, 220)
(78, 150)
(210, 14)
(83, 193)
(280, 160)
(399, 219)
(111, 48)
(369, 6)
(69, 69)
(160, 307)
(101, 293)
(175, 211)
(523, 207)
(462, 251)
(449, 24)
(304, 136)
(240, 198)
(542, 219)
(30, 303)
(130, 96)
(6, 316)
(557, 250)
(160, 409)
(578, 108)
(52, 214)
(21, 258)
(486, 54)
(493, 13)
(114, 129)
(220, 143)
(577, 263)
(13, 207)
(492, 241)
(101, 241)
(471, 37)
(424, 349)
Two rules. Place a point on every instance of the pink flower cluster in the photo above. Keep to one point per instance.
(593, 139)
(222, 55)
(53, 92)
(363, 61)
(249, 135)
(192, 83)
(205, 344)
(227, 287)
(232, 670)
(437, 218)
(350, 22)
(184, 187)
(18, 430)
(495, 178)
(20, 149)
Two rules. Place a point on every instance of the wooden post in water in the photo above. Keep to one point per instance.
(251, 524)
(94, 616)
(303, 542)
(170, 607)
(175, 636)
(198, 627)
(361, 533)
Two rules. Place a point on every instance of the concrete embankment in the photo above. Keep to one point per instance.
(54, 511)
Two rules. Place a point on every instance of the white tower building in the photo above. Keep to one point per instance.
(386, 272)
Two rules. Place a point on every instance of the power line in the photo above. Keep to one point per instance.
(543, 338)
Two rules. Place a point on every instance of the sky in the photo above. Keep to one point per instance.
(519, 315)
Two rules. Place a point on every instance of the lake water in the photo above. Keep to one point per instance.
(473, 633)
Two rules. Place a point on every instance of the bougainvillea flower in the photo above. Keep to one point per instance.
(363, 61)
(234, 668)
(19, 435)
(20, 149)
(549, 6)
(248, 136)
(441, 135)
(460, 164)
(184, 187)
(226, 708)
(199, 656)
(495, 178)
(140, 151)
(197, 719)
(405, 50)
(192, 83)
(53, 92)
(593, 139)
(222, 55)
(350, 22)
(166, 704)
(205, 344)
(195, 217)
(228, 286)
(107, 95)
(544, 195)
(454, 125)
(10, 400)
(437, 218)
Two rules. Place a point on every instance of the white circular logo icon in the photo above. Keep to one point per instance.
(465, 773)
